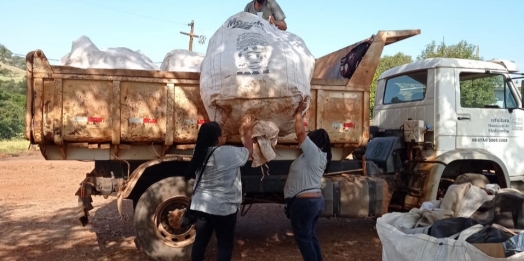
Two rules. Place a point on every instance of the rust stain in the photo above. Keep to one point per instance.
(145, 95)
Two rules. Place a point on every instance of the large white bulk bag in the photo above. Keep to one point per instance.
(397, 245)
(252, 67)
(180, 60)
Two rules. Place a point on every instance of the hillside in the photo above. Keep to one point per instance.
(9, 72)
(12, 67)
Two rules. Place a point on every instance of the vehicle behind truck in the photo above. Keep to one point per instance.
(434, 121)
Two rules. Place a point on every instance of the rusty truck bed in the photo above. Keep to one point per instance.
(90, 114)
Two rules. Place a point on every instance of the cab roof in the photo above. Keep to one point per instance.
(441, 63)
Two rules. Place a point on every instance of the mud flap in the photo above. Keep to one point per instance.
(84, 201)
(119, 202)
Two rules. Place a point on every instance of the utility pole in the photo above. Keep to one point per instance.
(191, 35)
(478, 51)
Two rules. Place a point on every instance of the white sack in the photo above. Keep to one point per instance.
(252, 67)
(180, 60)
(85, 54)
(397, 245)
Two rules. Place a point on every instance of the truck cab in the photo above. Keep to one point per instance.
(457, 116)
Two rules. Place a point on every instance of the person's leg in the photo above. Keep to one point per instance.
(319, 203)
(303, 212)
(204, 229)
(225, 233)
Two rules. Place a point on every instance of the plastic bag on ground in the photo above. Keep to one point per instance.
(252, 67)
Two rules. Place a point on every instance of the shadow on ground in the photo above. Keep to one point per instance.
(263, 234)
(27, 236)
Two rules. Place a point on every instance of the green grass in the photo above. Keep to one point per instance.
(8, 78)
(17, 74)
(13, 147)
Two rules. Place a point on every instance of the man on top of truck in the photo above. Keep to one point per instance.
(269, 10)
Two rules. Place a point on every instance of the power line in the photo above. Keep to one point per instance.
(23, 56)
(202, 38)
(127, 12)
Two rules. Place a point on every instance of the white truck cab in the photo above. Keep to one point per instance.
(465, 115)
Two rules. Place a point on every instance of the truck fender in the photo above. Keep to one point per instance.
(127, 187)
(433, 181)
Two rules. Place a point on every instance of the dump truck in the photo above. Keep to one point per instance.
(139, 128)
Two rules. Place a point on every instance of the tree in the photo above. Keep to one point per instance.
(477, 90)
(4, 53)
(4, 72)
(12, 108)
(386, 62)
(462, 50)
(7, 57)
(11, 86)
(475, 93)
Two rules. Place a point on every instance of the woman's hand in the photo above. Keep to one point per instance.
(299, 121)
(271, 20)
(302, 105)
(248, 122)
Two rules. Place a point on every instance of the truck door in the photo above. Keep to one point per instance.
(488, 118)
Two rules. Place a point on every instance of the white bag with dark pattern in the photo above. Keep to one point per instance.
(252, 67)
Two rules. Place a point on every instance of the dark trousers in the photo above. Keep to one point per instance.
(305, 213)
(224, 227)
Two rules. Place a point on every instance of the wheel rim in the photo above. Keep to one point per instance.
(167, 223)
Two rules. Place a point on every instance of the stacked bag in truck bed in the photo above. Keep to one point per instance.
(85, 54)
(251, 67)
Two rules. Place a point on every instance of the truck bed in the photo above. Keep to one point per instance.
(102, 114)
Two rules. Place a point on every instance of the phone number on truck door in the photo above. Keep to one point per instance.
(489, 139)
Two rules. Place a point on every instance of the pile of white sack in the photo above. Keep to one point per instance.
(85, 54)
(250, 67)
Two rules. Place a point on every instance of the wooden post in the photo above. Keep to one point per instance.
(191, 35)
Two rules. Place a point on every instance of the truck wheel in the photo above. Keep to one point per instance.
(156, 221)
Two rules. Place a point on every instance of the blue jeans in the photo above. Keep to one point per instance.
(224, 227)
(305, 213)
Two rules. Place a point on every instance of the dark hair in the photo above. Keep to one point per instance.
(321, 138)
(207, 137)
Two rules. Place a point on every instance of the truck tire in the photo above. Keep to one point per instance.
(155, 221)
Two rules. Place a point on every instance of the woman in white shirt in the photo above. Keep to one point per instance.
(219, 193)
(302, 190)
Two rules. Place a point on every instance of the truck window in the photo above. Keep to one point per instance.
(484, 90)
(406, 88)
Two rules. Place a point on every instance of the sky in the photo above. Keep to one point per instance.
(154, 26)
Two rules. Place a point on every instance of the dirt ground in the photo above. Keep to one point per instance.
(38, 221)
